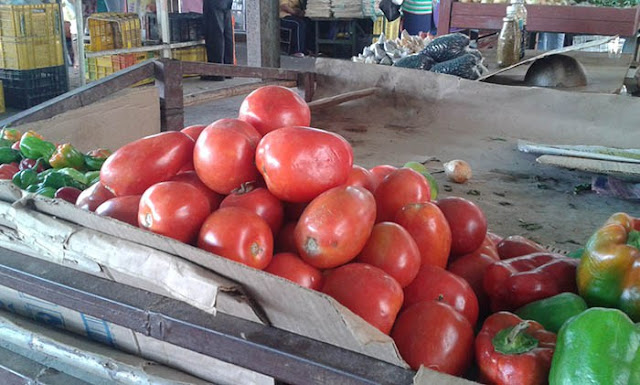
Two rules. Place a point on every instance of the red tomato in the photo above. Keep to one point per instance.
(391, 248)
(300, 163)
(192, 178)
(136, 166)
(293, 211)
(380, 172)
(187, 167)
(193, 131)
(494, 237)
(8, 170)
(360, 176)
(285, 240)
(174, 209)
(515, 246)
(93, 197)
(434, 283)
(435, 335)
(69, 194)
(467, 223)
(238, 234)
(367, 291)
(398, 189)
(30, 163)
(223, 157)
(272, 107)
(291, 267)
(123, 208)
(241, 127)
(335, 226)
(16, 146)
(260, 201)
(429, 228)
(487, 247)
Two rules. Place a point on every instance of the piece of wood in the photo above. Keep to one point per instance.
(169, 83)
(213, 69)
(591, 152)
(307, 83)
(335, 100)
(626, 170)
(228, 92)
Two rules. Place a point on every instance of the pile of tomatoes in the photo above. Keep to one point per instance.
(267, 191)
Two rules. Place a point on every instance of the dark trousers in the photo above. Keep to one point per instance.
(218, 33)
(302, 34)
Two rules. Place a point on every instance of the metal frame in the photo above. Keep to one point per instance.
(285, 356)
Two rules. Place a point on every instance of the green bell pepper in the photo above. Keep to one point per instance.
(80, 179)
(554, 311)
(92, 177)
(9, 155)
(95, 159)
(65, 155)
(25, 178)
(33, 147)
(46, 191)
(5, 143)
(66, 177)
(599, 346)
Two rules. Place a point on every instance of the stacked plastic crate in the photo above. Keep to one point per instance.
(32, 67)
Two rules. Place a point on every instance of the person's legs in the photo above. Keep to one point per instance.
(213, 35)
(228, 38)
(295, 26)
(414, 24)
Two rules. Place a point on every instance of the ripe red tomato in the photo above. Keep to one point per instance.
(192, 178)
(367, 291)
(93, 197)
(291, 267)
(260, 201)
(193, 131)
(391, 248)
(335, 226)
(136, 166)
(435, 335)
(360, 176)
(173, 209)
(515, 246)
(285, 239)
(124, 208)
(272, 107)
(224, 157)
(429, 228)
(380, 172)
(241, 127)
(8, 170)
(238, 234)
(293, 211)
(487, 247)
(300, 163)
(467, 223)
(398, 189)
(434, 283)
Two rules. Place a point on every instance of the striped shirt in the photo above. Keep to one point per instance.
(418, 7)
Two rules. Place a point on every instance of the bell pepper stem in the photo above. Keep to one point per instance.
(514, 340)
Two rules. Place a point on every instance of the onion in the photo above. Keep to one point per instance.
(457, 171)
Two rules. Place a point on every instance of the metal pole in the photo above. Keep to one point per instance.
(80, 40)
(162, 9)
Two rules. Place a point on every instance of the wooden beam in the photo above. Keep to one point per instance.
(214, 69)
(335, 100)
(228, 92)
(169, 83)
(307, 83)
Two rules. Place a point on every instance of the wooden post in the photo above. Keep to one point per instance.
(307, 83)
(169, 83)
(263, 33)
(444, 17)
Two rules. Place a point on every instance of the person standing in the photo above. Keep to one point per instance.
(302, 35)
(218, 33)
(417, 17)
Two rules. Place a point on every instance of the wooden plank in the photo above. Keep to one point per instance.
(146, 48)
(627, 155)
(342, 98)
(169, 84)
(444, 17)
(84, 95)
(307, 83)
(228, 92)
(628, 170)
(213, 69)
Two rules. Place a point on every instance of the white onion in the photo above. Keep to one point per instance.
(457, 171)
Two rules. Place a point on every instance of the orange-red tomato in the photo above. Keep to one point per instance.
(467, 223)
(271, 107)
(435, 335)
(173, 209)
(93, 197)
(437, 284)
(291, 267)
(136, 166)
(429, 228)
(8, 170)
(238, 234)
(192, 178)
(241, 127)
(367, 291)
(260, 201)
(360, 176)
(399, 188)
(391, 248)
(335, 226)
(124, 208)
(293, 211)
(193, 131)
(380, 172)
(285, 241)
(300, 163)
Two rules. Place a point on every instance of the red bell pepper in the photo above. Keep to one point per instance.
(512, 351)
(515, 282)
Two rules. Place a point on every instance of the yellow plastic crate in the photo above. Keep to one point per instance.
(30, 20)
(391, 29)
(195, 53)
(2, 109)
(26, 53)
(101, 66)
(114, 30)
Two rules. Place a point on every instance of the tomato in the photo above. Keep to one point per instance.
(187, 167)
(93, 197)
(193, 131)
(285, 241)
(435, 335)
(272, 107)
(494, 237)
(434, 283)
(238, 234)
(335, 226)
(293, 211)
(240, 126)
(8, 170)
(300, 163)
(123, 208)
(467, 223)
(69, 194)
(360, 176)
(136, 166)
(291, 267)
(31, 163)
(391, 248)
(192, 178)
(367, 291)
(515, 246)
(224, 156)
(487, 247)
(429, 228)
(398, 189)
(260, 201)
(380, 172)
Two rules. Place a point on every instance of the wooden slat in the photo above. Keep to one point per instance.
(629, 170)
(213, 69)
(228, 92)
(335, 100)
